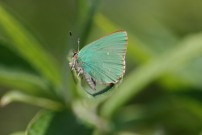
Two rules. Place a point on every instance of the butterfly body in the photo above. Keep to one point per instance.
(102, 61)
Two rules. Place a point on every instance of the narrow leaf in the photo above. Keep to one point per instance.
(28, 47)
(25, 82)
(93, 6)
(37, 101)
(40, 123)
(56, 123)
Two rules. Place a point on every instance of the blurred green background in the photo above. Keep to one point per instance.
(160, 93)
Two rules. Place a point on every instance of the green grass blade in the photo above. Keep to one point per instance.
(23, 81)
(28, 47)
(56, 123)
(189, 48)
(16, 96)
(40, 123)
(93, 6)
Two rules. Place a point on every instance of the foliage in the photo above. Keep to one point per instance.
(160, 93)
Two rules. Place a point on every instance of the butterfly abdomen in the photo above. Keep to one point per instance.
(91, 82)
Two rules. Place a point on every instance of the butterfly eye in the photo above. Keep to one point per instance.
(74, 54)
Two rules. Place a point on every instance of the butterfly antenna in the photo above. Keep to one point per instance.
(73, 39)
(70, 33)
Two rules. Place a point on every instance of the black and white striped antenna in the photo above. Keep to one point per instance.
(73, 39)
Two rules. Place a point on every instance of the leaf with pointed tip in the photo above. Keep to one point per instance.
(56, 123)
(28, 47)
(33, 100)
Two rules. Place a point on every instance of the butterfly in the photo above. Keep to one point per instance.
(102, 61)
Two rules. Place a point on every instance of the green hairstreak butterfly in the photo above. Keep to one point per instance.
(102, 61)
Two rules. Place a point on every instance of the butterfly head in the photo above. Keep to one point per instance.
(73, 62)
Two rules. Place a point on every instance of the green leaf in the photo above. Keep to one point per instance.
(9, 58)
(189, 48)
(93, 6)
(56, 123)
(28, 47)
(85, 110)
(192, 105)
(39, 125)
(23, 81)
(185, 77)
(33, 100)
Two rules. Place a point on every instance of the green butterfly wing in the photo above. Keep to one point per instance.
(104, 59)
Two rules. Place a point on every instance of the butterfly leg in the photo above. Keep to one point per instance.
(79, 71)
(91, 82)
